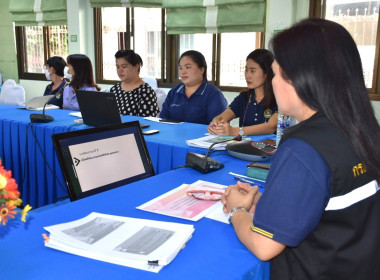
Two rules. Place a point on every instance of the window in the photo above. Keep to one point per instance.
(143, 30)
(35, 44)
(361, 19)
(125, 28)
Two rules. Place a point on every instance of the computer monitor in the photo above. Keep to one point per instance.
(102, 158)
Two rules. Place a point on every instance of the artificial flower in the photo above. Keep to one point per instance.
(6, 211)
(24, 212)
(9, 197)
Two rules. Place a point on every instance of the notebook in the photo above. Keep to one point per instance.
(102, 158)
(37, 103)
(98, 108)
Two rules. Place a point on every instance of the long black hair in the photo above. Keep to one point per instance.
(83, 74)
(264, 59)
(199, 59)
(322, 61)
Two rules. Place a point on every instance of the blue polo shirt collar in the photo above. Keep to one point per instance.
(199, 91)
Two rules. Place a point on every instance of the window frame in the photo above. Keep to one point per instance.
(21, 46)
(317, 9)
(169, 53)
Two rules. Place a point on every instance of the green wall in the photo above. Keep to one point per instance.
(8, 58)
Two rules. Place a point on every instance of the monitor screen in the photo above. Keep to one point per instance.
(98, 159)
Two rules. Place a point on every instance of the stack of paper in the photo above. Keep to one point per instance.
(207, 141)
(137, 243)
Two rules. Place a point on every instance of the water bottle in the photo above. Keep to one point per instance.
(283, 121)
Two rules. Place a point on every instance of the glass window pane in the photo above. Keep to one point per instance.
(360, 18)
(233, 59)
(148, 40)
(59, 41)
(34, 61)
(114, 38)
(198, 42)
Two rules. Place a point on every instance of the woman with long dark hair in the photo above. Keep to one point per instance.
(319, 216)
(194, 100)
(256, 108)
(82, 77)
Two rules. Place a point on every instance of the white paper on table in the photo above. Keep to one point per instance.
(218, 214)
(76, 114)
(155, 119)
(207, 141)
(121, 240)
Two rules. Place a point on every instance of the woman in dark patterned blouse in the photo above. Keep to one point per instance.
(133, 95)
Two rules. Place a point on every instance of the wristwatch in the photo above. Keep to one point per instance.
(241, 131)
(232, 212)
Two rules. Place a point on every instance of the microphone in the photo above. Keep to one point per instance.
(204, 164)
(237, 138)
(42, 118)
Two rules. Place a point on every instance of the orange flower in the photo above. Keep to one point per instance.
(8, 185)
(9, 197)
(7, 211)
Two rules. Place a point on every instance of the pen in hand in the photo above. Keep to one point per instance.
(252, 183)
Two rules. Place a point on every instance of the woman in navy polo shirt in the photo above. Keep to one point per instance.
(256, 108)
(195, 99)
(319, 216)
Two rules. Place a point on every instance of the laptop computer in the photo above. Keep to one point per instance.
(98, 108)
(99, 159)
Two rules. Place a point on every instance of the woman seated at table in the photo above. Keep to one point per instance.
(319, 216)
(256, 108)
(54, 71)
(195, 99)
(133, 95)
(81, 75)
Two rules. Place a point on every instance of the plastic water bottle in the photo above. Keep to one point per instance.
(283, 121)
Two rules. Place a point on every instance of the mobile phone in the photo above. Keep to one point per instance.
(270, 149)
(169, 121)
(259, 165)
(152, 131)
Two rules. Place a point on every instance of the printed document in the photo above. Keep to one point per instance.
(207, 141)
(137, 243)
(176, 203)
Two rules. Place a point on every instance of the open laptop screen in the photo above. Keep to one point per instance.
(98, 159)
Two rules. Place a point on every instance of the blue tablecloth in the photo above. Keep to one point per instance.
(213, 252)
(38, 173)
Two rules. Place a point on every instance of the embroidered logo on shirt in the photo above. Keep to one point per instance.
(358, 170)
(261, 231)
(268, 113)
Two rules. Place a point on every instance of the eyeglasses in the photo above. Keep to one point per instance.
(205, 194)
(46, 67)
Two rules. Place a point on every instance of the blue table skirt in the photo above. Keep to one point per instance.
(213, 252)
(38, 181)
